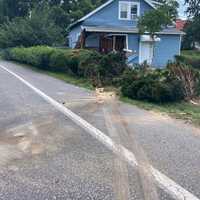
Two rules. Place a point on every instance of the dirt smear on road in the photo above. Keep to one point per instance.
(26, 140)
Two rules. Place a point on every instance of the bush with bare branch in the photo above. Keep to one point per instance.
(189, 77)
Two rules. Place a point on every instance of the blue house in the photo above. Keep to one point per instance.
(113, 27)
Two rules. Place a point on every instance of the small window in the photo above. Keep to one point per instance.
(128, 10)
(134, 11)
(124, 7)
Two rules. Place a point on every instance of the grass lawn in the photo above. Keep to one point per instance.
(81, 82)
(181, 110)
(190, 53)
(69, 79)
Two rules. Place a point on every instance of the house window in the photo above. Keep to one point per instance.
(128, 10)
(124, 8)
(134, 11)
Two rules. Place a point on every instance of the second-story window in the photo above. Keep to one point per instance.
(128, 10)
(124, 9)
(134, 11)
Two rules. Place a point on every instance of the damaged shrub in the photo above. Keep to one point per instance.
(189, 78)
(151, 85)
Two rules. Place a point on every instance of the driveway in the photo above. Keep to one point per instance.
(46, 154)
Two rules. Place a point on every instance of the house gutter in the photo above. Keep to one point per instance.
(110, 30)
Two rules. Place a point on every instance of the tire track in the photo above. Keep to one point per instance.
(120, 179)
(118, 129)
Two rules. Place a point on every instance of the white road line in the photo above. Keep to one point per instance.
(165, 183)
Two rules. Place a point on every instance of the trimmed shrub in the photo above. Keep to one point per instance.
(100, 69)
(58, 61)
(36, 56)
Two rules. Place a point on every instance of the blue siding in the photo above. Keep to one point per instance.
(166, 49)
(73, 36)
(109, 15)
(133, 44)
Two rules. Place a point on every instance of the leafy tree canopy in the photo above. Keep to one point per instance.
(154, 20)
(31, 22)
(38, 29)
(73, 9)
(192, 28)
(170, 7)
(21, 14)
(193, 9)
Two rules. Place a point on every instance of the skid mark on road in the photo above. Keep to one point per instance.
(165, 183)
(144, 167)
(120, 130)
(120, 181)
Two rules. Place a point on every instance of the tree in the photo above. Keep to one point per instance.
(192, 28)
(59, 16)
(171, 8)
(77, 9)
(15, 8)
(188, 42)
(154, 21)
(37, 30)
(31, 22)
(193, 9)
(2, 16)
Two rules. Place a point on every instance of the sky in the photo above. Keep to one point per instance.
(182, 9)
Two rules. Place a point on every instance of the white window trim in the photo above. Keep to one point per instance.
(180, 44)
(129, 9)
(126, 35)
(119, 11)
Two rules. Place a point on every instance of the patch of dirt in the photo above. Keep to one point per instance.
(27, 140)
(102, 96)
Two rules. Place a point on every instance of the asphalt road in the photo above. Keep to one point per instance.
(44, 155)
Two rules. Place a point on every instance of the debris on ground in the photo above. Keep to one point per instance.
(103, 96)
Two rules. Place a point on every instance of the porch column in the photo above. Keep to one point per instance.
(114, 42)
(83, 37)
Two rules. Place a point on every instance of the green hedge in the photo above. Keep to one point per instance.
(100, 69)
(190, 57)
